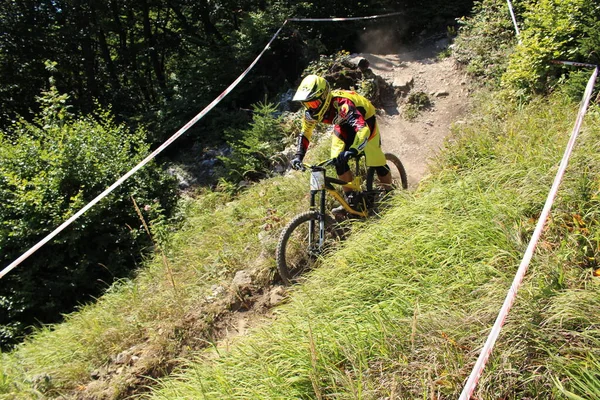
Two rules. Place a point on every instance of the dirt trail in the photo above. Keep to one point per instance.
(417, 141)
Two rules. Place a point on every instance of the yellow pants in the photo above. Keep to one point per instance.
(373, 154)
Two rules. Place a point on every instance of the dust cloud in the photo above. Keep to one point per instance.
(381, 40)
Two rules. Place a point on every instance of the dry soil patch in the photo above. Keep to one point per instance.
(417, 141)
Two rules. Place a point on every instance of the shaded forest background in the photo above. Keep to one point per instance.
(90, 87)
(159, 62)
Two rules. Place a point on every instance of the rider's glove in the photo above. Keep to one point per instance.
(297, 163)
(344, 156)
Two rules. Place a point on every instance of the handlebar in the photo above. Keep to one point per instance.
(327, 163)
(322, 164)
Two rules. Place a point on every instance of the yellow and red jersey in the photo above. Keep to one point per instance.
(353, 117)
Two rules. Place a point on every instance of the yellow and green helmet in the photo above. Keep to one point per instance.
(315, 95)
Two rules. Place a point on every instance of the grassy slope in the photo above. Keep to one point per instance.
(218, 238)
(402, 309)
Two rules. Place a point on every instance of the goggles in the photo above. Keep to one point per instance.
(312, 105)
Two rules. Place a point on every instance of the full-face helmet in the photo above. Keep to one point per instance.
(315, 95)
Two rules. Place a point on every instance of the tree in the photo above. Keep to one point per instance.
(553, 30)
(56, 165)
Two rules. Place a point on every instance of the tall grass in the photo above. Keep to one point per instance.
(219, 236)
(403, 308)
(400, 311)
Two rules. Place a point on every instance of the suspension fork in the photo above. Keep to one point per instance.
(321, 218)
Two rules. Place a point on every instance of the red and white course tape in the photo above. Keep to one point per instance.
(343, 19)
(512, 293)
(574, 64)
(514, 20)
(175, 136)
(145, 161)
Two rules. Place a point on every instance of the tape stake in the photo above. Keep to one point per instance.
(145, 161)
(514, 20)
(512, 293)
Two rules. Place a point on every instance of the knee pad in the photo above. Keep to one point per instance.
(383, 170)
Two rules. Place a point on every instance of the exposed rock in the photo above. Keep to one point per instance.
(263, 235)
(217, 291)
(286, 103)
(123, 358)
(183, 178)
(241, 280)
(276, 295)
(42, 382)
(361, 62)
(244, 184)
(404, 82)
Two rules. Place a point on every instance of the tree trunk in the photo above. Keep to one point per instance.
(123, 52)
(110, 65)
(209, 27)
(187, 28)
(87, 52)
(137, 76)
(152, 46)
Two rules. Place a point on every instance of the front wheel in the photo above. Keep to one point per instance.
(299, 248)
(399, 178)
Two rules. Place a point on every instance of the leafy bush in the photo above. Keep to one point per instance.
(252, 149)
(49, 169)
(485, 40)
(553, 30)
(415, 103)
(326, 64)
(341, 73)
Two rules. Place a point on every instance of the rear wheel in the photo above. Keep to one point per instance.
(298, 248)
(399, 178)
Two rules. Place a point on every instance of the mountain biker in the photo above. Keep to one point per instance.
(355, 128)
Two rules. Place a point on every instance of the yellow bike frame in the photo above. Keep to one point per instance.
(355, 185)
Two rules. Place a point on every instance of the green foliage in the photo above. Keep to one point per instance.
(552, 30)
(584, 379)
(367, 88)
(49, 169)
(392, 312)
(253, 149)
(326, 64)
(159, 63)
(219, 235)
(341, 73)
(415, 103)
(485, 40)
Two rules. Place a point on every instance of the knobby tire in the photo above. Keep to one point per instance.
(293, 253)
(397, 169)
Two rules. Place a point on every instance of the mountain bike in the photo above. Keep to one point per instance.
(311, 233)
